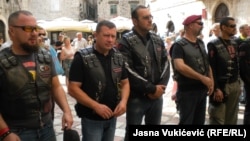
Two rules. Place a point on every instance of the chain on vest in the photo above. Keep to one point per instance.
(225, 58)
(97, 74)
(195, 58)
(142, 52)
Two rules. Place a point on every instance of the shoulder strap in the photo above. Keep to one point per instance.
(118, 58)
(7, 59)
(43, 56)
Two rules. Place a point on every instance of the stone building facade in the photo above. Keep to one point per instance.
(74, 9)
(162, 10)
(123, 8)
(48, 10)
(6, 7)
(211, 10)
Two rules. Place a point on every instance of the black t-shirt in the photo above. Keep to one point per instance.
(79, 73)
(57, 44)
(184, 82)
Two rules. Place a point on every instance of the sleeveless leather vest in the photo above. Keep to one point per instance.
(228, 66)
(25, 99)
(97, 74)
(142, 52)
(243, 53)
(195, 57)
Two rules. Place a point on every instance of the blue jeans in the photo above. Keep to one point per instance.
(98, 130)
(137, 108)
(46, 133)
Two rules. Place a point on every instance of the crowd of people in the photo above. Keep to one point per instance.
(109, 77)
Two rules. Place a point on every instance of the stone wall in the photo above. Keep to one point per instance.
(122, 10)
(162, 10)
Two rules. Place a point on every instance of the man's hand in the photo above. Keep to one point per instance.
(218, 95)
(104, 111)
(160, 90)
(209, 83)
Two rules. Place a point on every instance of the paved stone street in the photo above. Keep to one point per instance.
(169, 117)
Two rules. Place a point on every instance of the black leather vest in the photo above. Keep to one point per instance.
(228, 70)
(96, 72)
(23, 98)
(195, 57)
(141, 51)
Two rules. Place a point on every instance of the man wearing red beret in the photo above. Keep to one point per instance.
(192, 73)
(191, 19)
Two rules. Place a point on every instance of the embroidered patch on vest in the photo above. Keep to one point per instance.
(116, 70)
(44, 68)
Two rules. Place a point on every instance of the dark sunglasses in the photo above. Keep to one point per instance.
(232, 25)
(27, 28)
(199, 23)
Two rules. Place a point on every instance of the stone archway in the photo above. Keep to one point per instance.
(221, 11)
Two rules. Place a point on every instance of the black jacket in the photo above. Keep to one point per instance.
(147, 62)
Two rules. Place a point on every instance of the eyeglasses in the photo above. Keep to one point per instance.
(27, 28)
(232, 25)
(41, 34)
(150, 17)
(199, 23)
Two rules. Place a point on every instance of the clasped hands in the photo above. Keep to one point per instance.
(160, 90)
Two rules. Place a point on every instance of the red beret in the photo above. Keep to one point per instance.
(191, 19)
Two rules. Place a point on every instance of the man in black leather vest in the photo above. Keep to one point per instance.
(98, 81)
(244, 31)
(244, 61)
(223, 58)
(27, 80)
(192, 73)
(149, 70)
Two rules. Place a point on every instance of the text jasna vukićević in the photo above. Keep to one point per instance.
(170, 133)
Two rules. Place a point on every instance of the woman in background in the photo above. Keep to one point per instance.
(67, 55)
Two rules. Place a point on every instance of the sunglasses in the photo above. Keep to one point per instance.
(28, 28)
(199, 23)
(232, 25)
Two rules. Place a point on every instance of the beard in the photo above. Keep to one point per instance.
(28, 48)
(231, 34)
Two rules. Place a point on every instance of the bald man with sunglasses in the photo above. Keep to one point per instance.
(27, 81)
(192, 73)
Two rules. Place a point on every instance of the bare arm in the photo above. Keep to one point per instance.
(63, 54)
(185, 70)
(61, 100)
(3, 124)
(11, 136)
(210, 75)
(122, 106)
